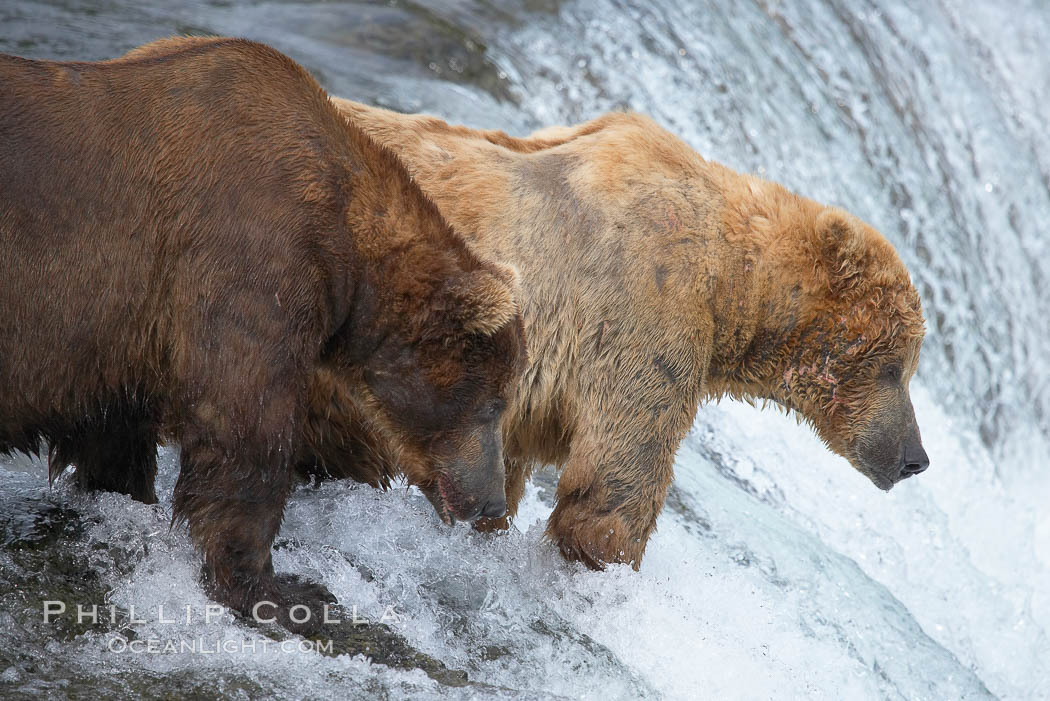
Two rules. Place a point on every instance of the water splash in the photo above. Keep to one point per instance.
(776, 571)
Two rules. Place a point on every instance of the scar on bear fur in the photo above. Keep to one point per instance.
(654, 279)
(199, 248)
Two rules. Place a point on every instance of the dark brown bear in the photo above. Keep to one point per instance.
(197, 248)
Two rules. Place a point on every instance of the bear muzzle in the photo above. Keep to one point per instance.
(914, 460)
(452, 503)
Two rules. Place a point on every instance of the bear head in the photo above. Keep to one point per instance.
(851, 347)
(437, 384)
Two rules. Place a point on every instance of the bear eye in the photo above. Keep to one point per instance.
(891, 373)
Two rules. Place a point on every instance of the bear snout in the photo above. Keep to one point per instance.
(476, 499)
(494, 508)
(491, 508)
(455, 501)
(914, 461)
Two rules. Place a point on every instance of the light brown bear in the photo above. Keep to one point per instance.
(654, 279)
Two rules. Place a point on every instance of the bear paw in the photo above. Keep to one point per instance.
(595, 539)
(295, 603)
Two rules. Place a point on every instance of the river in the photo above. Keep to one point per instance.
(777, 571)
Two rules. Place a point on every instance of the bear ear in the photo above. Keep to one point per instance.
(841, 245)
(486, 300)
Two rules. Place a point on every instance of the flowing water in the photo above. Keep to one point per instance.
(777, 572)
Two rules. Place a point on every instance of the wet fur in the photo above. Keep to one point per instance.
(198, 249)
(654, 279)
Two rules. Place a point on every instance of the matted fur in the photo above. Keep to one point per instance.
(652, 279)
(198, 248)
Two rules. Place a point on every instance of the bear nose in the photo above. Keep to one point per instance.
(494, 508)
(915, 461)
